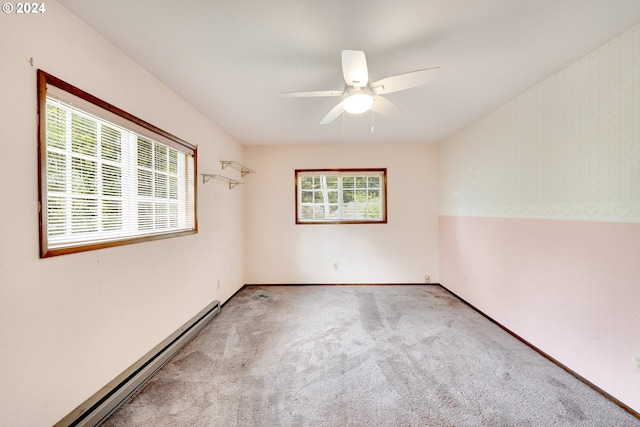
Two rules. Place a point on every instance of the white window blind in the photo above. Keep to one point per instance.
(105, 183)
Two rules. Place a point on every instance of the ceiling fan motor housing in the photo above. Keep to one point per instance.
(357, 100)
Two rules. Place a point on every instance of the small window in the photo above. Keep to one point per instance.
(107, 178)
(343, 196)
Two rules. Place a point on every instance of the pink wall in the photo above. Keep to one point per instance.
(572, 288)
(540, 216)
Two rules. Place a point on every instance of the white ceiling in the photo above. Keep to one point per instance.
(231, 59)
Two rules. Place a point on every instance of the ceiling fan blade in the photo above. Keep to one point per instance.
(406, 81)
(315, 93)
(383, 106)
(354, 68)
(333, 114)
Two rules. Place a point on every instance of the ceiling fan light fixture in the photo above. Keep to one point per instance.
(359, 95)
(357, 102)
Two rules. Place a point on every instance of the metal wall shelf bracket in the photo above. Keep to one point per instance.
(206, 177)
(235, 165)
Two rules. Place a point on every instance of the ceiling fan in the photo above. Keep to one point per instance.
(359, 95)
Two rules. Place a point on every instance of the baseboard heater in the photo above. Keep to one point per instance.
(95, 410)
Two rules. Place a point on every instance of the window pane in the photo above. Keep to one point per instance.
(332, 196)
(318, 197)
(307, 197)
(348, 182)
(144, 183)
(173, 215)
(348, 196)
(83, 176)
(111, 215)
(160, 157)
(145, 148)
(161, 187)
(348, 211)
(111, 180)
(56, 215)
(373, 211)
(361, 182)
(360, 211)
(110, 144)
(56, 127)
(83, 135)
(173, 161)
(332, 182)
(162, 215)
(173, 187)
(373, 182)
(145, 216)
(85, 215)
(56, 172)
(306, 183)
(306, 212)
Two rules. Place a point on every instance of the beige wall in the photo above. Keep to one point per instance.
(540, 224)
(70, 324)
(402, 251)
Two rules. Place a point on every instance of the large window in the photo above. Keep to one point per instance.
(106, 177)
(345, 196)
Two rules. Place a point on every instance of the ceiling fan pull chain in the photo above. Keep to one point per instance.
(372, 127)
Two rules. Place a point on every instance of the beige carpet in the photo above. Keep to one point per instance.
(361, 356)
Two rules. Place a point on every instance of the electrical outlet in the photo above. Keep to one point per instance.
(427, 279)
(636, 362)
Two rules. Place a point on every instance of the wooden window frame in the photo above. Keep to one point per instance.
(45, 81)
(343, 172)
